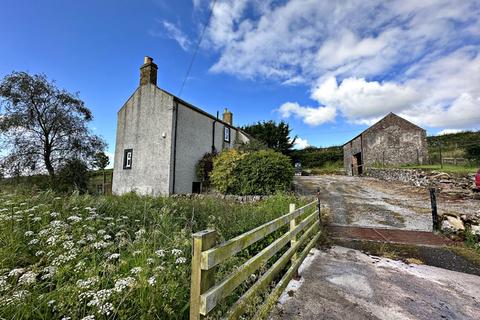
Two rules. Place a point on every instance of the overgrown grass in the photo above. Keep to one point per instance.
(328, 168)
(110, 257)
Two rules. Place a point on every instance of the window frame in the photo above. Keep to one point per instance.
(125, 159)
(225, 130)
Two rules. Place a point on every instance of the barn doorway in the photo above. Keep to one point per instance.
(358, 163)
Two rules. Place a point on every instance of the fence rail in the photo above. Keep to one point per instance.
(205, 294)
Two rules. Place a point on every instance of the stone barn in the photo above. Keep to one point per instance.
(391, 141)
(160, 139)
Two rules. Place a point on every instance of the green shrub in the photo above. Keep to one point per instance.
(259, 172)
(73, 176)
(204, 167)
(223, 176)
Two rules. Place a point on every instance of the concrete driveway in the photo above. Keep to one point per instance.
(341, 283)
(368, 202)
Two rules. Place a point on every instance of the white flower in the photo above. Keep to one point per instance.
(137, 252)
(180, 260)
(150, 261)
(33, 242)
(36, 219)
(176, 252)
(107, 237)
(52, 240)
(68, 245)
(87, 283)
(39, 253)
(16, 272)
(136, 270)
(101, 232)
(74, 219)
(90, 317)
(124, 283)
(152, 281)
(114, 256)
(66, 318)
(54, 214)
(160, 253)
(28, 278)
(29, 233)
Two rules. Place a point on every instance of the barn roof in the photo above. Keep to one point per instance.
(378, 123)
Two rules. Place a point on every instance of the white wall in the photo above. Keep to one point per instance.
(142, 121)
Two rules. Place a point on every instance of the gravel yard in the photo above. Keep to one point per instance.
(369, 202)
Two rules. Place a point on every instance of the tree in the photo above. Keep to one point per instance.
(274, 136)
(73, 175)
(101, 161)
(43, 126)
(472, 152)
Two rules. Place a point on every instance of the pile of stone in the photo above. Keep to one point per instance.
(452, 224)
(458, 186)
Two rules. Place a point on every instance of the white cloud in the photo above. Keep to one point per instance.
(300, 143)
(361, 59)
(311, 116)
(449, 131)
(171, 31)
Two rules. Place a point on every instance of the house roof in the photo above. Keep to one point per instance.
(376, 124)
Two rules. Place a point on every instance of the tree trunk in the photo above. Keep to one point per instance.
(48, 163)
(104, 181)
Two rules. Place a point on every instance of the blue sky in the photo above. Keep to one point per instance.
(328, 68)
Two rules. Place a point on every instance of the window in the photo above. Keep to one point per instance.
(226, 134)
(127, 158)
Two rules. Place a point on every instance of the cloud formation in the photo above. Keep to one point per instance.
(171, 31)
(361, 59)
(300, 143)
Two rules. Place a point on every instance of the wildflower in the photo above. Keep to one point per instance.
(4, 286)
(114, 256)
(66, 318)
(101, 232)
(107, 237)
(90, 317)
(74, 219)
(54, 214)
(137, 252)
(180, 260)
(100, 245)
(52, 240)
(68, 245)
(87, 283)
(124, 283)
(160, 253)
(150, 261)
(39, 253)
(28, 278)
(33, 242)
(136, 270)
(29, 233)
(152, 280)
(36, 219)
(140, 233)
(176, 252)
(51, 302)
(16, 272)
(159, 268)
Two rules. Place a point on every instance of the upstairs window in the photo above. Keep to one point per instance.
(127, 158)
(226, 134)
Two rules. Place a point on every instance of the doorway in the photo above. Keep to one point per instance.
(358, 163)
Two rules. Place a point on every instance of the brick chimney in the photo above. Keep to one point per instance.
(228, 117)
(148, 72)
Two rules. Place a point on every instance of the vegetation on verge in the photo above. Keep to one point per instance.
(111, 257)
(245, 173)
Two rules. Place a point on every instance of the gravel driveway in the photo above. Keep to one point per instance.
(369, 202)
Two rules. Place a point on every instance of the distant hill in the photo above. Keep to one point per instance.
(452, 145)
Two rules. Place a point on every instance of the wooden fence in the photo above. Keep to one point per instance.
(205, 294)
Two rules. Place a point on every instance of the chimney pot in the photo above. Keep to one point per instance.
(147, 59)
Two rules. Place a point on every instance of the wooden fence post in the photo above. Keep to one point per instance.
(202, 280)
(319, 211)
(293, 224)
(433, 201)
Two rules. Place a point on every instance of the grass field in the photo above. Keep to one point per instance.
(128, 257)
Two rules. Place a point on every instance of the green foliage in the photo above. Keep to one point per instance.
(223, 176)
(73, 176)
(259, 172)
(204, 167)
(274, 136)
(264, 172)
(42, 126)
(252, 145)
(101, 160)
(313, 157)
(111, 257)
(472, 152)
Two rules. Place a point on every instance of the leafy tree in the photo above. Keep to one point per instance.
(101, 161)
(73, 175)
(472, 152)
(274, 136)
(42, 126)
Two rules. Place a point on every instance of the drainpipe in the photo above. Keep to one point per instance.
(213, 133)
(175, 146)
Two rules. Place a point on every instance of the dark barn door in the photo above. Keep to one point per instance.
(358, 162)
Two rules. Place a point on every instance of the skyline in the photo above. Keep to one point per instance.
(335, 75)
